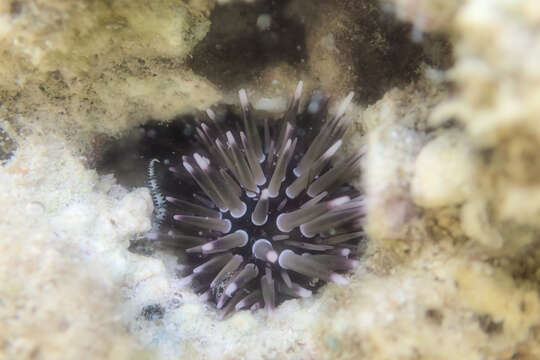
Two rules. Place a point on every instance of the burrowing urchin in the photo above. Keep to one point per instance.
(256, 207)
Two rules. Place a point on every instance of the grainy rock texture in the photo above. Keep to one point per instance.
(98, 66)
(64, 231)
(447, 101)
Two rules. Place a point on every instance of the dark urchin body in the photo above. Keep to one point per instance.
(257, 209)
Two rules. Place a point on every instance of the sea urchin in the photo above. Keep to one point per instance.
(258, 211)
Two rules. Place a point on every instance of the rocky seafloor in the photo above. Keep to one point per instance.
(447, 102)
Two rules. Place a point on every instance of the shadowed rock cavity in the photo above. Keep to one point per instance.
(340, 45)
(244, 39)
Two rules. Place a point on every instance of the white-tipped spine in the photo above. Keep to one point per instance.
(344, 105)
(298, 91)
(244, 102)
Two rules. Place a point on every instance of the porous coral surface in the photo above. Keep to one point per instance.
(446, 106)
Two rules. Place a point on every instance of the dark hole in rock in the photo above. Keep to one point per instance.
(379, 49)
(435, 316)
(141, 247)
(127, 157)
(371, 51)
(237, 49)
(7, 146)
(152, 312)
(489, 326)
(15, 8)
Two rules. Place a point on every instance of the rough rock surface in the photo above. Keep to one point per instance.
(447, 104)
(98, 67)
(64, 233)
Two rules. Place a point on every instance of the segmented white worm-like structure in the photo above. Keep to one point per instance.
(160, 204)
